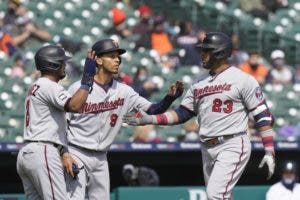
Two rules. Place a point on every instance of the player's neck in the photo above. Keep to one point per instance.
(221, 68)
(52, 78)
(103, 78)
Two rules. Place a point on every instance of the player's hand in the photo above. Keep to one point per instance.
(137, 118)
(176, 89)
(269, 160)
(68, 163)
(89, 70)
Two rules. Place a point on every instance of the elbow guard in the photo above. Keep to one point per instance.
(262, 116)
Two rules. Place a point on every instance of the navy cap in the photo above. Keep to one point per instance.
(106, 46)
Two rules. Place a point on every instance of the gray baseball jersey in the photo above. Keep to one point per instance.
(39, 164)
(44, 112)
(222, 102)
(95, 128)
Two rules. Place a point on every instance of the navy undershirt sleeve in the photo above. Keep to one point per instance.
(184, 114)
(162, 106)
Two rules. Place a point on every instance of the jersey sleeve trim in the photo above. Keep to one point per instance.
(194, 113)
(66, 106)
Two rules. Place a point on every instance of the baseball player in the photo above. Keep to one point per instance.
(39, 162)
(221, 100)
(287, 188)
(92, 131)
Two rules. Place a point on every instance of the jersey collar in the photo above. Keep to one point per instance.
(106, 86)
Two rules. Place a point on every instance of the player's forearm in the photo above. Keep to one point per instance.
(161, 106)
(178, 116)
(78, 100)
(267, 136)
(167, 118)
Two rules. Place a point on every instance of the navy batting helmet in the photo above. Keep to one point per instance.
(50, 58)
(219, 43)
(106, 46)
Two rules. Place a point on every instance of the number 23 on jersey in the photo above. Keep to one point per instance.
(222, 106)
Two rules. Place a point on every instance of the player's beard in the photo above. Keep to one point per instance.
(62, 75)
(208, 65)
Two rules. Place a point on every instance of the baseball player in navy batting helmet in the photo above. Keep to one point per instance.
(219, 44)
(221, 100)
(50, 58)
(91, 132)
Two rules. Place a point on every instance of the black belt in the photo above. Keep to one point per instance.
(58, 146)
(221, 139)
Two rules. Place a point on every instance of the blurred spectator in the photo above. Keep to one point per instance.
(124, 78)
(18, 22)
(24, 31)
(274, 5)
(187, 38)
(140, 176)
(145, 134)
(160, 40)
(238, 56)
(255, 67)
(18, 68)
(119, 25)
(287, 188)
(143, 27)
(255, 8)
(280, 73)
(191, 129)
(7, 44)
(297, 74)
(142, 83)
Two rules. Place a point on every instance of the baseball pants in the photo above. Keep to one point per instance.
(40, 167)
(93, 180)
(223, 165)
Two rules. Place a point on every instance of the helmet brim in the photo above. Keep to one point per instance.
(120, 51)
(67, 58)
(203, 46)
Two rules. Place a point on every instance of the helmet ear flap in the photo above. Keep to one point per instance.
(120, 59)
(220, 55)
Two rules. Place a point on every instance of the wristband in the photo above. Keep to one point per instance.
(85, 87)
(267, 137)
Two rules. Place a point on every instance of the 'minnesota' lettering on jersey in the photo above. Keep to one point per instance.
(102, 106)
(207, 90)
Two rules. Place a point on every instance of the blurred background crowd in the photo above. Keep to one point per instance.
(159, 37)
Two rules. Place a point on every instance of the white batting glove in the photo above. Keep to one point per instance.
(137, 118)
(268, 159)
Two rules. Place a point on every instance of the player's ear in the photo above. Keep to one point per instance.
(98, 60)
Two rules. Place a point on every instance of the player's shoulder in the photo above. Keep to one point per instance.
(75, 84)
(203, 76)
(276, 186)
(236, 70)
(239, 74)
(121, 86)
(47, 84)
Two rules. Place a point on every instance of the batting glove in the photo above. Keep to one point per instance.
(268, 160)
(138, 118)
(88, 73)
